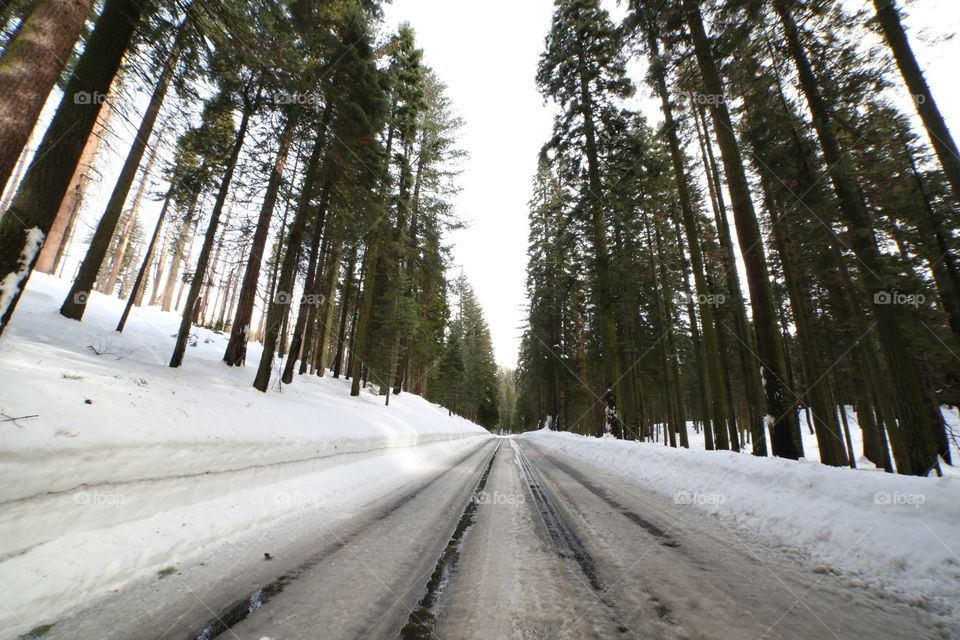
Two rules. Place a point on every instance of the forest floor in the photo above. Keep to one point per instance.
(185, 504)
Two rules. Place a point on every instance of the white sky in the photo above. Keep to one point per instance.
(486, 51)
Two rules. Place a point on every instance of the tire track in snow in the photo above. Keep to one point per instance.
(555, 523)
(662, 536)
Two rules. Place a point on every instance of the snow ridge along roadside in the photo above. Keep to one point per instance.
(125, 466)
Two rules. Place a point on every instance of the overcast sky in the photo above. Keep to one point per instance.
(486, 51)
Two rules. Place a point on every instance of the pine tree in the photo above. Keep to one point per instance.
(780, 415)
(25, 224)
(916, 454)
(583, 69)
(29, 68)
(888, 17)
(75, 302)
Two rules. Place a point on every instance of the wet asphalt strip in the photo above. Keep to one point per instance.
(244, 607)
(422, 620)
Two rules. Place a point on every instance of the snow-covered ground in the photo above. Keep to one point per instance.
(113, 465)
(892, 532)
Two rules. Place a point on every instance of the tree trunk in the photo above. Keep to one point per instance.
(177, 256)
(344, 311)
(781, 417)
(26, 223)
(328, 308)
(359, 342)
(30, 66)
(713, 403)
(916, 454)
(235, 354)
(308, 301)
(889, 18)
(111, 282)
(939, 253)
(75, 304)
(748, 366)
(142, 273)
(199, 275)
(214, 265)
(56, 243)
(15, 181)
(611, 384)
(158, 270)
(279, 307)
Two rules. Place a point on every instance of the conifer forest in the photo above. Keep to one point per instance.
(486, 319)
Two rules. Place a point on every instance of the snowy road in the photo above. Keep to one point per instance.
(509, 540)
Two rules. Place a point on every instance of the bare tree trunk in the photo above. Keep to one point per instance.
(25, 226)
(75, 304)
(142, 273)
(199, 275)
(56, 243)
(30, 66)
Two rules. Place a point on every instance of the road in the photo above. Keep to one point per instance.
(508, 541)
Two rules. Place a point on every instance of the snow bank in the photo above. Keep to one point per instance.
(888, 531)
(114, 463)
